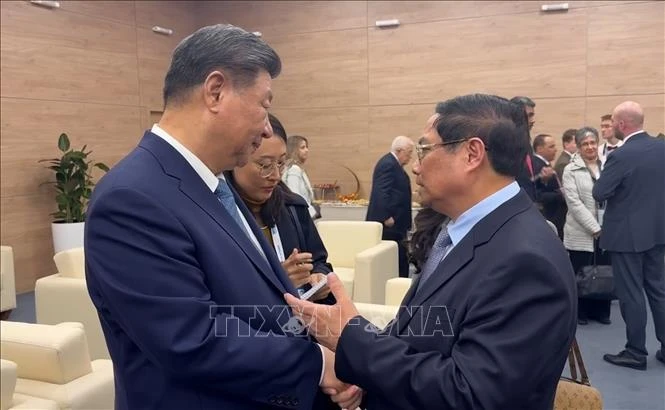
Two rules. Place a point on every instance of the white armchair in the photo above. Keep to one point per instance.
(7, 281)
(52, 363)
(360, 258)
(64, 297)
(9, 400)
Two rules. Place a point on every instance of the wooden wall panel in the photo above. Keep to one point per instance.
(626, 50)
(180, 16)
(287, 17)
(653, 105)
(123, 11)
(427, 62)
(32, 69)
(332, 64)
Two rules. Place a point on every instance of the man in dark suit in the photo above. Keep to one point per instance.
(489, 321)
(526, 177)
(390, 200)
(548, 185)
(184, 283)
(569, 149)
(633, 230)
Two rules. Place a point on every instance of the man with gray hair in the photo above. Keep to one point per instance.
(633, 231)
(188, 291)
(390, 200)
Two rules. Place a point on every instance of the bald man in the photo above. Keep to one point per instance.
(633, 231)
(390, 200)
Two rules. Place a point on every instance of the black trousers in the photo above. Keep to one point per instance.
(401, 251)
(635, 274)
(590, 308)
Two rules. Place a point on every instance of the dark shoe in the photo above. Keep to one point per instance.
(625, 359)
(582, 322)
(604, 321)
(659, 356)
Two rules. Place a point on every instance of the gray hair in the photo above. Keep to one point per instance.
(583, 133)
(401, 142)
(220, 47)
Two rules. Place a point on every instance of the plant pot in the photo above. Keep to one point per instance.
(67, 236)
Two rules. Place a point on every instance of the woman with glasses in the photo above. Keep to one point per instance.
(282, 215)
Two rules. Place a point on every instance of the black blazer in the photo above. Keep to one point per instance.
(632, 184)
(490, 329)
(391, 195)
(524, 178)
(550, 196)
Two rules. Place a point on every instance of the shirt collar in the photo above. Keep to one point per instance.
(541, 157)
(201, 169)
(628, 136)
(459, 228)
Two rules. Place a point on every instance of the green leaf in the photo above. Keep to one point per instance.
(63, 142)
(102, 166)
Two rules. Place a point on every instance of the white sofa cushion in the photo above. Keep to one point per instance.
(7, 279)
(396, 289)
(346, 275)
(70, 263)
(347, 239)
(54, 354)
(7, 383)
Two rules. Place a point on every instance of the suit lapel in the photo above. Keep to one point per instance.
(192, 186)
(461, 255)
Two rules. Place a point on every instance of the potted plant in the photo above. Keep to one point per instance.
(73, 185)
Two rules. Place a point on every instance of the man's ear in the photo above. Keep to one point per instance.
(215, 86)
(475, 152)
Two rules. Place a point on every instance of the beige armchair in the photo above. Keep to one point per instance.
(360, 258)
(396, 289)
(64, 297)
(7, 282)
(10, 400)
(53, 364)
(381, 315)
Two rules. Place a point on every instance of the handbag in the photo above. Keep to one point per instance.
(574, 394)
(595, 281)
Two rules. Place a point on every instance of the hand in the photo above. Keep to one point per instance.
(298, 266)
(546, 173)
(325, 322)
(596, 235)
(322, 293)
(390, 222)
(346, 396)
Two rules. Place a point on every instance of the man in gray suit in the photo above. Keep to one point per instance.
(633, 230)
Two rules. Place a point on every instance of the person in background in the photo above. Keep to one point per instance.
(295, 177)
(390, 199)
(569, 148)
(526, 178)
(582, 226)
(610, 140)
(634, 231)
(282, 215)
(548, 187)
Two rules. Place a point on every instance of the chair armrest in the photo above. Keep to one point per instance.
(396, 289)
(64, 299)
(378, 315)
(373, 267)
(7, 279)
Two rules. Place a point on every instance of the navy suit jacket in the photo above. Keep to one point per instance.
(175, 281)
(550, 197)
(490, 329)
(390, 196)
(633, 184)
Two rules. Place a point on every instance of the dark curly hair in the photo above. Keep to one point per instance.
(428, 223)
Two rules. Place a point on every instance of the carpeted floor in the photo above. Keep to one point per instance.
(622, 389)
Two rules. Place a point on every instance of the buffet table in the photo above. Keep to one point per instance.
(340, 211)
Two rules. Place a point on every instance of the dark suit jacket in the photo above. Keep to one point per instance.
(490, 329)
(175, 281)
(550, 196)
(524, 178)
(560, 164)
(632, 184)
(390, 196)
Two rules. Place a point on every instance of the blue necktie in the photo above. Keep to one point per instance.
(225, 196)
(436, 255)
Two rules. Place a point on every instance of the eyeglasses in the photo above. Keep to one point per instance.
(266, 169)
(423, 149)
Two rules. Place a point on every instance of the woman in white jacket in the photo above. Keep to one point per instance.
(582, 226)
(295, 177)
